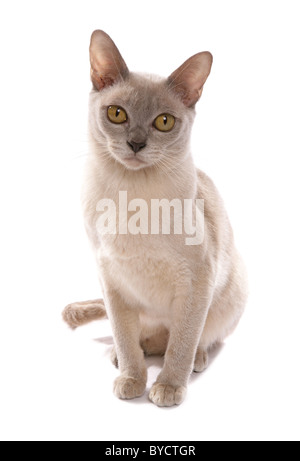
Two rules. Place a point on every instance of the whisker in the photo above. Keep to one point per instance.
(81, 155)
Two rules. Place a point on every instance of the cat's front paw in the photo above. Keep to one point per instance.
(164, 395)
(129, 388)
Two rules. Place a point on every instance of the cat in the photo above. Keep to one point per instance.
(161, 295)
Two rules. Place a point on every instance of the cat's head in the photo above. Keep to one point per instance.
(142, 120)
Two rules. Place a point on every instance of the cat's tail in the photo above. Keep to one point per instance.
(78, 314)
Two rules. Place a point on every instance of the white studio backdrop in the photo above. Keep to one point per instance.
(57, 385)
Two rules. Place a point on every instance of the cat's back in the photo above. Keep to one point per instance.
(218, 228)
(207, 191)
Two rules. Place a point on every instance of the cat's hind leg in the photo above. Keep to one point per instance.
(153, 342)
(114, 357)
(201, 359)
(78, 314)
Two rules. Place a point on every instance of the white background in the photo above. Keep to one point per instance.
(56, 384)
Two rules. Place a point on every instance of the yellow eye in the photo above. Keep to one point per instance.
(116, 114)
(164, 122)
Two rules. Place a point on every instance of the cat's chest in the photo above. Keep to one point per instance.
(131, 223)
(146, 266)
(143, 273)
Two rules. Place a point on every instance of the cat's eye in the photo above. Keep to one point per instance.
(116, 114)
(164, 122)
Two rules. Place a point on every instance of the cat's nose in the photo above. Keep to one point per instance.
(136, 146)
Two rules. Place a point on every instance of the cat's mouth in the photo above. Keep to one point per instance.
(134, 162)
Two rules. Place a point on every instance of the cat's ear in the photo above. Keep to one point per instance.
(107, 64)
(188, 80)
